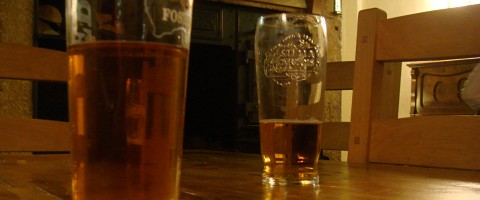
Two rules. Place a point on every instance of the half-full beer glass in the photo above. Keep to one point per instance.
(128, 72)
(290, 54)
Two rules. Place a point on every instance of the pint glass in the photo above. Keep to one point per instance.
(128, 71)
(290, 54)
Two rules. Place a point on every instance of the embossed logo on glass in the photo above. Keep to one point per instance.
(175, 19)
(294, 59)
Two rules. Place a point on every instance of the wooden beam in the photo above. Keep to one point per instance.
(314, 6)
(340, 75)
(34, 135)
(31, 63)
(366, 71)
(278, 5)
(335, 135)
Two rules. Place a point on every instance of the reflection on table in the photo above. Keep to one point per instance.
(226, 175)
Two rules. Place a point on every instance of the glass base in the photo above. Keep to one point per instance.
(313, 181)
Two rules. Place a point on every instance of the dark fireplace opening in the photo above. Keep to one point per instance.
(211, 105)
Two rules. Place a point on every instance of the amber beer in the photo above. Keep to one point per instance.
(127, 106)
(290, 151)
(290, 57)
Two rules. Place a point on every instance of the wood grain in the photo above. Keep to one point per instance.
(430, 35)
(280, 5)
(434, 142)
(34, 135)
(209, 175)
(367, 72)
(335, 135)
(31, 63)
(340, 75)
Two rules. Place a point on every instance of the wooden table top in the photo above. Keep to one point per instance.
(223, 175)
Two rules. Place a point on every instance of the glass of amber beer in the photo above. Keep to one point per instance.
(290, 54)
(128, 71)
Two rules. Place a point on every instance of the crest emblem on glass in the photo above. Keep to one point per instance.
(290, 54)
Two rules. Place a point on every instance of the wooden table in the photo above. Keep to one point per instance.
(222, 175)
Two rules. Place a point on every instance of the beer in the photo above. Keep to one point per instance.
(290, 151)
(127, 108)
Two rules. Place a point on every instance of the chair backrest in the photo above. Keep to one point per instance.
(33, 135)
(339, 77)
(376, 133)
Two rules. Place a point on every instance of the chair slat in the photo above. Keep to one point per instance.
(435, 141)
(32, 63)
(340, 75)
(434, 35)
(34, 135)
(335, 135)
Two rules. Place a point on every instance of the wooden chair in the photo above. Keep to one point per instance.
(33, 135)
(339, 77)
(376, 133)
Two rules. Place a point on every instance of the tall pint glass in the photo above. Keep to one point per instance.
(128, 71)
(290, 54)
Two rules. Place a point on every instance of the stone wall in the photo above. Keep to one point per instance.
(333, 98)
(16, 27)
(334, 27)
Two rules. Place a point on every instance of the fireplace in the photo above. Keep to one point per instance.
(211, 108)
(221, 103)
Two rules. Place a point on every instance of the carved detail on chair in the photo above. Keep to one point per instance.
(436, 87)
